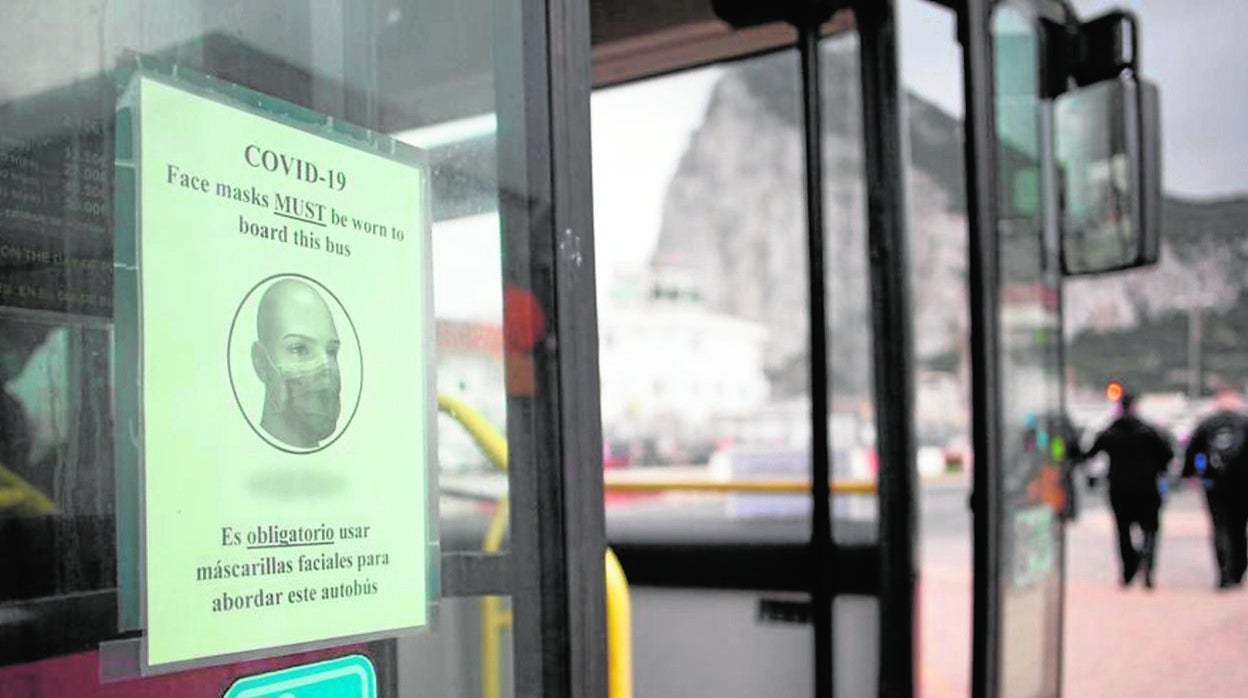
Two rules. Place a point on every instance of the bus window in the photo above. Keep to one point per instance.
(700, 221)
(699, 218)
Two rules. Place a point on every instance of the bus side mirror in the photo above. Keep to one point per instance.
(1109, 163)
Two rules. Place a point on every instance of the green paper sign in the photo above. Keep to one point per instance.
(347, 677)
(284, 352)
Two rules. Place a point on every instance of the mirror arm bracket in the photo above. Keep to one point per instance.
(1078, 54)
(1106, 47)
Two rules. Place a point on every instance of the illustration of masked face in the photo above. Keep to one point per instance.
(307, 394)
(296, 357)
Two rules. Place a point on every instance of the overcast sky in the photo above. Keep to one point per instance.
(639, 133)
(1195, 52)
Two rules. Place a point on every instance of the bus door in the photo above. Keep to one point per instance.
(1042, 164)
(259, 265)
(1025, 580)
(755, 345)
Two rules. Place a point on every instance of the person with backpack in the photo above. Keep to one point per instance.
(1139, 455)
(1216, 454)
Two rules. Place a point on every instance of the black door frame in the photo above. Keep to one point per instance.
(983, 281)
(554, 432)
(884, 158)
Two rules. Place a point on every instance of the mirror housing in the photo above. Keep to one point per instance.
(1109, 164)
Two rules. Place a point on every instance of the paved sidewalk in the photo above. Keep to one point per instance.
(1181, 639)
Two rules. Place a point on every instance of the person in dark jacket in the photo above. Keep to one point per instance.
(1139, 454)
(1216, 454)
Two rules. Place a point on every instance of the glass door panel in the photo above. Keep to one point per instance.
(1029, 564)
(430, 73)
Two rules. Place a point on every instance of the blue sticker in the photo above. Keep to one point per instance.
(345, 677)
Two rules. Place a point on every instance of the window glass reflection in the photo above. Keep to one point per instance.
(421, 70)
(700, 222)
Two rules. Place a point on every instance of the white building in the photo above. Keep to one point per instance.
(671, 369)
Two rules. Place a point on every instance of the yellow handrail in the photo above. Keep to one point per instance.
(21, 497)
(619, 630)
(494, 619)
(478, 427)
(613, 483)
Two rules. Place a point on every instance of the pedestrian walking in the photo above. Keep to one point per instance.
(1139, 456)
(1216, 454)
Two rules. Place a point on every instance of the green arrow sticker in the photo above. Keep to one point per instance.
(345, 677)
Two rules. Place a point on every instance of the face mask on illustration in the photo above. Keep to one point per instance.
(309, 394)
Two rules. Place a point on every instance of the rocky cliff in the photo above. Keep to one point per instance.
(734, 217)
